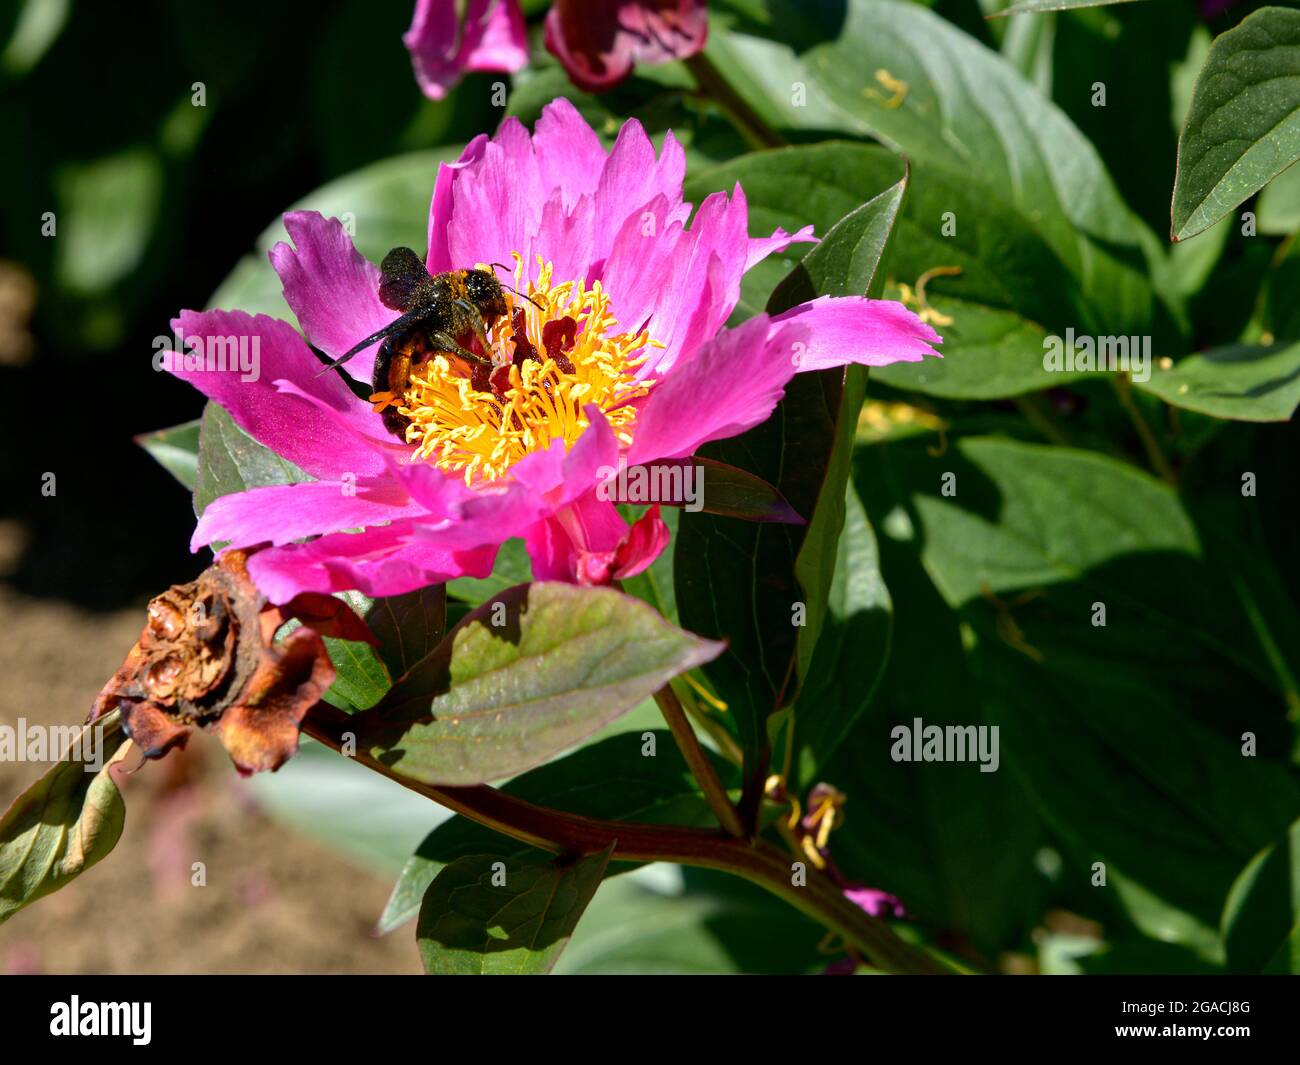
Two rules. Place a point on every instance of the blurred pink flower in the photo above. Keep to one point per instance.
(492, 37)
(599, 42)
(618, 355)
(875, 902)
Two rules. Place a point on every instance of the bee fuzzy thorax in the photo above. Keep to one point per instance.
(554, 351)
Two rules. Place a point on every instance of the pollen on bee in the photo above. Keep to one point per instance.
(556, 351)
(383, 400)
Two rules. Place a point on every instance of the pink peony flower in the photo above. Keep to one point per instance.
(491, 37)
(599, 42)
(613, 352)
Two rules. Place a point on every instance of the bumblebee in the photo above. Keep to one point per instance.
(440, 314)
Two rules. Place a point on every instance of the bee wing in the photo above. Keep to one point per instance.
(402, 279)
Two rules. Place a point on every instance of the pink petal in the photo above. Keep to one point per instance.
(487, 516)
(844, 329)
(569, 153)
(332, 288)
(502, 36)
(588, 542)
(365, 429)
(632, 178)
(734, 381)
(761, 247)
(493, 37)
(497, 201)
(282, 513)
(388, 560)
(642, 545)
(440, 207)
(731, 384)
(684, 282)
(562, 476)
(306, 436)
(875, 902)
(510, 194)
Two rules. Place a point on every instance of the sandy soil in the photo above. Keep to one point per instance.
(274, 902)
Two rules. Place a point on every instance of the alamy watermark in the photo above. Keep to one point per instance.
(677, 483)
(53, 743)
(1089, 354)
(919, 742)
(77, 1018)
(212, 354)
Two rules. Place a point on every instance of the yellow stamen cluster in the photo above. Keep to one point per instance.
(483, 434)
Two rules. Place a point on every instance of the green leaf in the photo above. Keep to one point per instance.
(1278, 318)
(485, 915)
(711, 928)
(408, 626)
(231, 461)
(964, 108)
(1261, 921)
(1126, 726)
(764, 587)
(613, 779)
(1009, 290)
(65, 822)
(850, 658)
(362, 676)
(845, 262)
(1243, 128)
(176, 450)
(1037, 6)
(110, 208)
(361, 679)
(1278, 208)
(523, 677)
(955, 845)
(1241, 382)
(725, 490)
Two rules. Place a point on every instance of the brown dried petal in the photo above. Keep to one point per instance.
(207, 656)
(261, 731)
(151, 729)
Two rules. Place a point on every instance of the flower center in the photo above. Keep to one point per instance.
(552, 354)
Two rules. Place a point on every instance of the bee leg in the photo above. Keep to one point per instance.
(475, 321)
(446, 342)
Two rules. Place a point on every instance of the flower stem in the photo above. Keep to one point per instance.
(700, 765)
(714, 84)
(565, 833)
(727, 747)
(1124, 390)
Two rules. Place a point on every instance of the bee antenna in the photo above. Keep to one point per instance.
(528, 298)
(512, 288)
